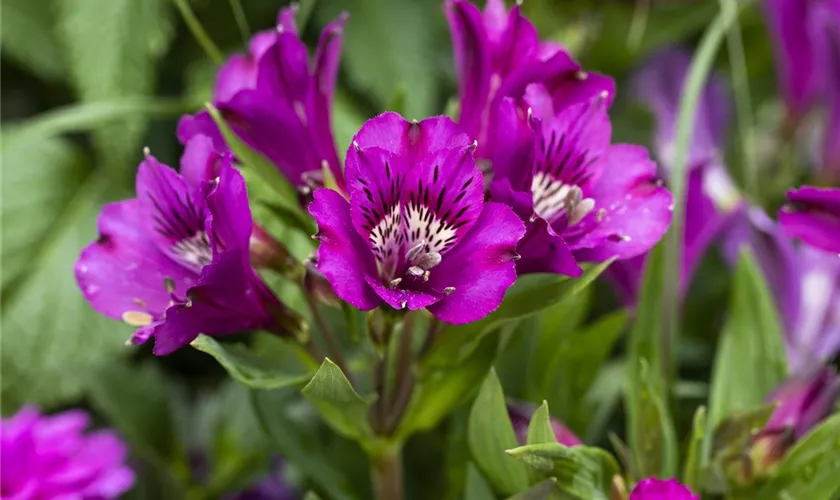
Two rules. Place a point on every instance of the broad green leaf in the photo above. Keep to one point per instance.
(347, 119)
(285, 196)
(810, 469)
(750, 350)
(51, 337)
(539, 428)
(439, 392)
(578, 357)
(477, 487)
(247, 367)
(530, 295)
(650, 430)
(311, 495)
(583, 471)
(544, 490)
(339, 404)
(698, 451)
(490, 434)
(112, 50)
(397, 25)
(28, 38)
(298, 436)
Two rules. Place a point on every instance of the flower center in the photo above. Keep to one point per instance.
(553, 199)
(194, 251)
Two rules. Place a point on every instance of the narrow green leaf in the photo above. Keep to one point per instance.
(477, 487)
(539, 428)
(311, 495)
(28, 37)
(247, 367)
(750, 350)
(583, 471)
(530, 295)
(698, 451)
(810, 469)
(339, 404)
(286, 195)
(490, 434)
(654, 441)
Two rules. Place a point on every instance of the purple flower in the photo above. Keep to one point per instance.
(416, 232)
(271, 487)
(174, 261)
(825, 24)
(520, 416)
(498, 53)
(657, 489)
(803, 402)
(710, 193)
(278, 102)
(584, 198)
(51, 457)
(813, 215)
(805, 283)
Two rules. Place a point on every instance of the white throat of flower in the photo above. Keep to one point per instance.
(553, 198)
(194, 251)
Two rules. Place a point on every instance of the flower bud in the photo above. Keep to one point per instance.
(267, 252)
(317, 284)
(803, 401)
(520, 415)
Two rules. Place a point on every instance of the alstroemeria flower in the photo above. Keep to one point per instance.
(803, 402)
(805, 283)
(174, 261)
(584, 198)
(498, 54)
(50, 457)
(813, 215)
(710, 194)
(416, 232)
(658, 489)
(278, 102)
(520, 417)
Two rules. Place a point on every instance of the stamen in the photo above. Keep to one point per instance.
(169, 284)
(137, 318)
(146, 151)
(449, 290)
(581, 75)
(395, 282)
(581, 210)
(429, 260)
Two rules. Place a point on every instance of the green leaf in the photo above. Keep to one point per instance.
(650, 430)
(530, 295)
(810, 469)
(247, 367)
(490, 434)
(477, 487)
(735, 431)
(285, 196)
(52, 338)
(578, 357)
(439, 392)
(339, 404)
(698, 452)
(750, 349)
(28, 38)
(583, 471)
(539, 428)
(545, 490)
(113, 49)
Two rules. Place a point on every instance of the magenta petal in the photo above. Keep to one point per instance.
(513, 146)
(240, 71)
(401, 298)
(543, 251)
(343, 256)
(625, 276)
(817, 332)
(813, 215)
(637, 207)
(657, 489)
(473, 61)
(201, 124)
(200, 162)
(703, 224)
(480, 268)
(230, 223)
(123, 270)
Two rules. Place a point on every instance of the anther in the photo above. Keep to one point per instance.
(581, 75)
(169, 284)
(474, 146)
(146, 151)
(395, 282)
(356, 146)
(449, 290)
(137, 318)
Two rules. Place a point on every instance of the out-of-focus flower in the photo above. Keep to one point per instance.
(813, 215)
(584, 199)
(498, 54)
(278, 102)
(825, 24)
(47, 457)
(271, 487)
(416, 232)
(520, 416)
(174, 261)
(657, 489)
(805, 283)
(803, 402)
(710, 194)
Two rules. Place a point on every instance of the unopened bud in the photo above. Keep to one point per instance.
(267, 253)
(317, 284)
(520, 415)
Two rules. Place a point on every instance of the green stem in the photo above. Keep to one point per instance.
(333, 346)
(241, 21)
(198, 32)
(388, 475)
(403, 380)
